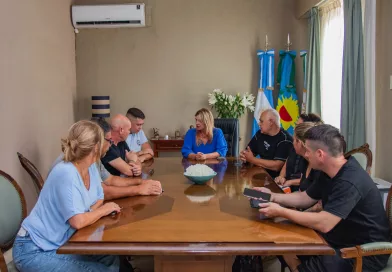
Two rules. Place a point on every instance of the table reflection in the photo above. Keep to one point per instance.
(231, 178)
(200, 193)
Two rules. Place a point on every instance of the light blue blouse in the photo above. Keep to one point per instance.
(63, 196)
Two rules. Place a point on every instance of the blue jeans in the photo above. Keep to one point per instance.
(28, 257)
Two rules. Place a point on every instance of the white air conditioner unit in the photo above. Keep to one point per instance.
(108, 16)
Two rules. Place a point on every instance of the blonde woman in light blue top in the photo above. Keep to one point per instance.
(71, 199)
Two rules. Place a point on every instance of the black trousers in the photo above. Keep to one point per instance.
(325, 263)
(335, 263)
(125, 266)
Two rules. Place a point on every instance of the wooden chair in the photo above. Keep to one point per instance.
(371, 249)
(32, 170)
(12, 213)
(363, 155)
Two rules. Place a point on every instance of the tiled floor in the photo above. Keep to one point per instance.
(146, 264)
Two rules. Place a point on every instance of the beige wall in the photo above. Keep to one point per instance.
(383, 93)
(37, 84)
(192, 47)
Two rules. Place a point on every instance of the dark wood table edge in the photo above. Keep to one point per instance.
(120, 248)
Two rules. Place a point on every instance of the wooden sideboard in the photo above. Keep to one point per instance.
(170, 145)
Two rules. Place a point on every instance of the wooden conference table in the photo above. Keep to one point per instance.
(196, 227)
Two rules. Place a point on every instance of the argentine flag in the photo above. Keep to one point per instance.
(264, 98)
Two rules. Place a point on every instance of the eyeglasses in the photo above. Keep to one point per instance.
(109, 140)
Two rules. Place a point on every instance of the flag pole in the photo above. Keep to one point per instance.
(266, 43)
(289, 43)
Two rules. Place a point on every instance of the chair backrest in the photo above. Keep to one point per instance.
(231, 130)
(363, 155)
(12, 210)
(32, 170)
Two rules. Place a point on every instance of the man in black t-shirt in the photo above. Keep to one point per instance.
(117, 160)
(353, 212)
(271, 143)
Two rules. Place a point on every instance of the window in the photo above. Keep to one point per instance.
(331, 61)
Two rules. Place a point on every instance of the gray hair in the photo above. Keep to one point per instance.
(274, 116)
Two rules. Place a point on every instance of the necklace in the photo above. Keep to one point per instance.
(85, 180)
(202, 135)
(85, 177)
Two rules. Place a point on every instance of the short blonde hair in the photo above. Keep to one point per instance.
(301, 129)
(82, 138)
(207, 118)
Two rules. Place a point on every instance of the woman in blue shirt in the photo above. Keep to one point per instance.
(205, 141)
(72, 198)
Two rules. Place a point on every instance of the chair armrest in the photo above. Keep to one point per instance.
(369, 249)
(349, 253)
(376, 248)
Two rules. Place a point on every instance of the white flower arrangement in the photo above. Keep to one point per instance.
(230, 106)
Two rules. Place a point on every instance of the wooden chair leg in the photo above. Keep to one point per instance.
(358, 264)
(3, 265)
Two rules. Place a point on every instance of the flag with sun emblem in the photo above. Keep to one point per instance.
(287, 105)
(266, 85)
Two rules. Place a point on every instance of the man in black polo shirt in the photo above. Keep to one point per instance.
(353, 212)
(271, 143)
(118, 160)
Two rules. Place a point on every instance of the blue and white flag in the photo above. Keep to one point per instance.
(264, 98)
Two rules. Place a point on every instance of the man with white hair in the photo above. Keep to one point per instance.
(271, 143)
